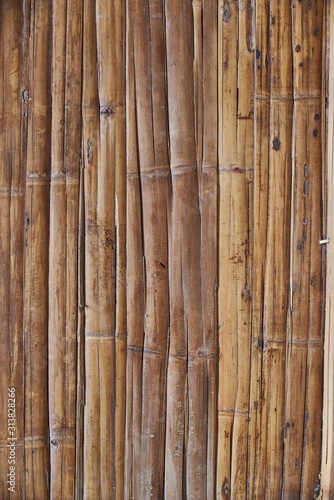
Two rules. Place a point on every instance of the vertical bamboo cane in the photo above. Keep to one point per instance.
(257, 431)
(272, 191)
(36, 254)
(151, 190)
(120, 228)
(12, 194)
(101, 110)
(186, 440)
(65, 152)
(327, 464)
(305, 347)
(207, 112)
(134, 273)
(236, 169)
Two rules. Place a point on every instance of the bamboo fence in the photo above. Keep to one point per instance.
(166, 254)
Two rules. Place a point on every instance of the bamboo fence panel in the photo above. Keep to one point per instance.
(165, 296)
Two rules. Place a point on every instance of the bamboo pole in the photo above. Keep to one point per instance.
(12, 187)
(305, 348)
(36, 253)
(134, 273)
(120, 228)
(99, 99)
(272, 192)
(186, 439)
(257, 430)
(206, 111)
(327, 464)
(103, 146)
(235, 174)
(148, 182)
(65, 155)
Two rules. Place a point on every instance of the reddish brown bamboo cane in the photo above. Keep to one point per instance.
(12, 184)
(148, 181)
(186, 439)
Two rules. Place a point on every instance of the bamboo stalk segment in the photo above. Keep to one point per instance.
(327, 464)
(208, 168)
(12, 193)
(36, 253)
(148, 203)
(235, 173)
(64, 210)
(102, 110)
(257, 427)
(135, 275)
(304, 355)
(186, 440)
(272, 192)
(120, 240)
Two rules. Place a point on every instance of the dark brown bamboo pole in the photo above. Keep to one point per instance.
(305, 348)
(12, 184)
(63, 281)
(36, 252)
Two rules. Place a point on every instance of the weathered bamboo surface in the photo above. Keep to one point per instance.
(166, 190)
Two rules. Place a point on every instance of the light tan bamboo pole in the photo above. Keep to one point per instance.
(272, 193)
(305, 348)
(12, 194)
(36, 252)
(207, 161)
(327, 464)
(90, 136)
(186, 428)
(135, 274)
(235, 171)
(64, 198)
(257, 433)
(148, 195)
